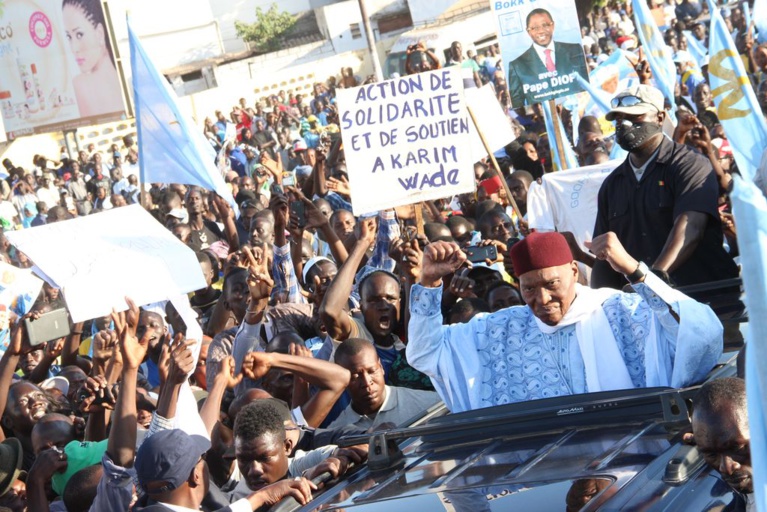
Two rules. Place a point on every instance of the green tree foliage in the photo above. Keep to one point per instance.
(265, 33)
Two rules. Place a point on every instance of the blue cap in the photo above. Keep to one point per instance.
(303, 171)
(168, 456)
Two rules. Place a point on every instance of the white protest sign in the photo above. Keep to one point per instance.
(495, 125)
(567, 201)
(100, 259)
(406, 140)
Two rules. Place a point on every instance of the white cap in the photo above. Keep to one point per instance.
(60, 383)
(311, 263)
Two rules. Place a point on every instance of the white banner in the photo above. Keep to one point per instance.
(567, 200)
(406, 140)
(100, 259)
(494, 123)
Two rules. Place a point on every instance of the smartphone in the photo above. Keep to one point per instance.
(50, 326)
(298, 210)
(289, 181)
(478, 254)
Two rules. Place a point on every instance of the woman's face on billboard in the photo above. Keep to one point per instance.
(85, 39)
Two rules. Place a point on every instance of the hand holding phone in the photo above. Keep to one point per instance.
(49, 326)
(479, 254)
(298, 211)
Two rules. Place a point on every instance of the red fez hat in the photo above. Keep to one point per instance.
(491, 185)
(540, 250)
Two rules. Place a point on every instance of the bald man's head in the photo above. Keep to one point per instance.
(244, 398)
(589, 124)
(52, 430)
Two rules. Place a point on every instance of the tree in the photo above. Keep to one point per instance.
(265, 32)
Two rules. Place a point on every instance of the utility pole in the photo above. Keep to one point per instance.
(371, 42)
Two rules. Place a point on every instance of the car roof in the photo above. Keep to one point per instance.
(615, 450)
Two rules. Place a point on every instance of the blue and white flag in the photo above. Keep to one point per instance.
(749, 207)
(600, 98)
(736, 104)
(19, 290)
(696, 48)
(657, 53)
(612, 76)
(172, 149)
(559, 161)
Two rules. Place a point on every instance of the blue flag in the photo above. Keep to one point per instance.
(559, 161)
(750, 209)
(599, 97)
(696, 48)
(172, 149)
(606, 80)
(735, 101)
(759, 15)
(657, 53)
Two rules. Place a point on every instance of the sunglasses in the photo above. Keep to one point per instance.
(628, 101)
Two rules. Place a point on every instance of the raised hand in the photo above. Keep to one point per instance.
(53, 349)
(314, 217)
(19, 338)
(607, 247)
(644, 72)
(440, 259)
(368, 231)
(341, 186)
(96, 395)
(281, 209)
(461, 285)
(105, 344)
(256, 365)
(235, 259)
(274, 167)
(295, 229)
(226, 374)
(260, 283)
(224, 209)
(412, 258)
(701, 138)
(132, 349)
(299, 349)
(500, 247)
(181, 359)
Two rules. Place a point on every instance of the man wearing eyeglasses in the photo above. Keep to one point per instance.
(661, 201)
(547, 69)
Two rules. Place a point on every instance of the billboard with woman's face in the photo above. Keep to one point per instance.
(57, 68)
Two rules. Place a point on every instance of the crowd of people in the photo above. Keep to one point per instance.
(318, 324)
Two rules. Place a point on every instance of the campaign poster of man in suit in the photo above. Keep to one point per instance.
(543, 58)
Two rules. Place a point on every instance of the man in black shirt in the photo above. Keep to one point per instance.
(204, 232)
(661, 201)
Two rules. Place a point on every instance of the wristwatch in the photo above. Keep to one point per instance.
(638, 274)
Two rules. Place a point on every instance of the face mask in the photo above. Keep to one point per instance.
(632, 135)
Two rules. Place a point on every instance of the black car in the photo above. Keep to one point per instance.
(618, 450)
